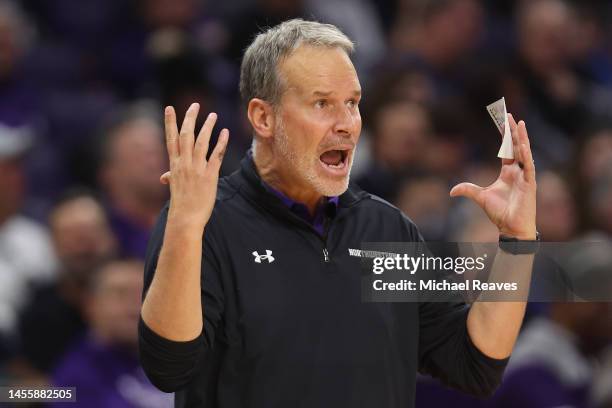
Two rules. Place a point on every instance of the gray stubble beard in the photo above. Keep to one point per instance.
(306, 170)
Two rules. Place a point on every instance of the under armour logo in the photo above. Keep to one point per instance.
(268, 256)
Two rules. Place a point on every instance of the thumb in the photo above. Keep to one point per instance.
(165, 178)
(467, 190)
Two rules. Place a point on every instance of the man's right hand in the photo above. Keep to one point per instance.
(172, 307)
(192, 179)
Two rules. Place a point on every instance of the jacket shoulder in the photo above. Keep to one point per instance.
(384, 210)
(376, 203)
(225, 189)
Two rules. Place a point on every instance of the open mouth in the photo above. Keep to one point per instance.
(335, 158)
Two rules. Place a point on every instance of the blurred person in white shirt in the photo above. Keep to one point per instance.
(26, 252)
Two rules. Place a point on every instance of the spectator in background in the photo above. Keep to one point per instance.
(104, 365)
(591, 174)
(183, 68)
(543, 32)
(398, 83)
(552, 363)
(557, 222)
(446, 154)
(400, 134)
(588, 47)
(437, 37)
(132, 158)
(26, 253)
(595, 153)
(83, 241)
(558, 100)
(18, 100)
(557, 216)
(186, 33)
(600, 202)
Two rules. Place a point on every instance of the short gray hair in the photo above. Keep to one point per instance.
(259, 75)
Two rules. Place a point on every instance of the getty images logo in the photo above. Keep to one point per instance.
(268, 256)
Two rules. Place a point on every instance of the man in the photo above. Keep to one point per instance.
(251, 297)
(26, 250)
(400, 130)
(558, 355)
(132, 157)
(82, 240)
(103, 366)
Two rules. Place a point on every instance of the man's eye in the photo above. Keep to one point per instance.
(321, 103)
(352, 103)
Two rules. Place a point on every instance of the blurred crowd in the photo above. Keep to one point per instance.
(82, 88)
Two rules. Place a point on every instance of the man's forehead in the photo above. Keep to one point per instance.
(319, 71)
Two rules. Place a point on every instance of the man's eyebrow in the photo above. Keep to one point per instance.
(356, 92)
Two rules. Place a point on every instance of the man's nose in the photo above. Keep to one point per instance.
(345, 121)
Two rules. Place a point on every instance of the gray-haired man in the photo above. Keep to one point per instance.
(253, 299)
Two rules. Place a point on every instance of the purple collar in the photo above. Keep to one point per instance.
(317, 220)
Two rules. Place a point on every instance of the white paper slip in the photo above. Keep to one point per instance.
(498, 113)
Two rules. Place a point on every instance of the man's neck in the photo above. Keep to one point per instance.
(270, 172)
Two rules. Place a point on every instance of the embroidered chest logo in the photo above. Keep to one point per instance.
(267, 257)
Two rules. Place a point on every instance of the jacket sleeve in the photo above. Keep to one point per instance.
(170, 365)
(446, 351)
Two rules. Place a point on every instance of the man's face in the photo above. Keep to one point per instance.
(82, 236)
(318, 121)
(402, 130)
(137, 159)
(114, 307)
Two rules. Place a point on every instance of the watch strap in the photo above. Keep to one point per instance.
(517, 246)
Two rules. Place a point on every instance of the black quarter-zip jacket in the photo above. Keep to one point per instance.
(284, 324)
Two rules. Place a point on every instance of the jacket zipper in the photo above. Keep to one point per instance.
(326, 226)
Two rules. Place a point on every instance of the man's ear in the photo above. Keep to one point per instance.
(261, 116)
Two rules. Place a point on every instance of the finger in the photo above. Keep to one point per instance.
(468, 190)
(514, 133)
(186, 137)
(522, 139)
(523, 136)
(165, 178)
(171, 133)
(528, 164)
(201, 144)
(216, 158)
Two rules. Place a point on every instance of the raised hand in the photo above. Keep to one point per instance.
(193, 179)
(510, 202)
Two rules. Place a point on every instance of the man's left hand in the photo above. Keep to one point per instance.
(510, 202)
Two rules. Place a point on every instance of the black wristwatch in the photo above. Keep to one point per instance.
(517, 246)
